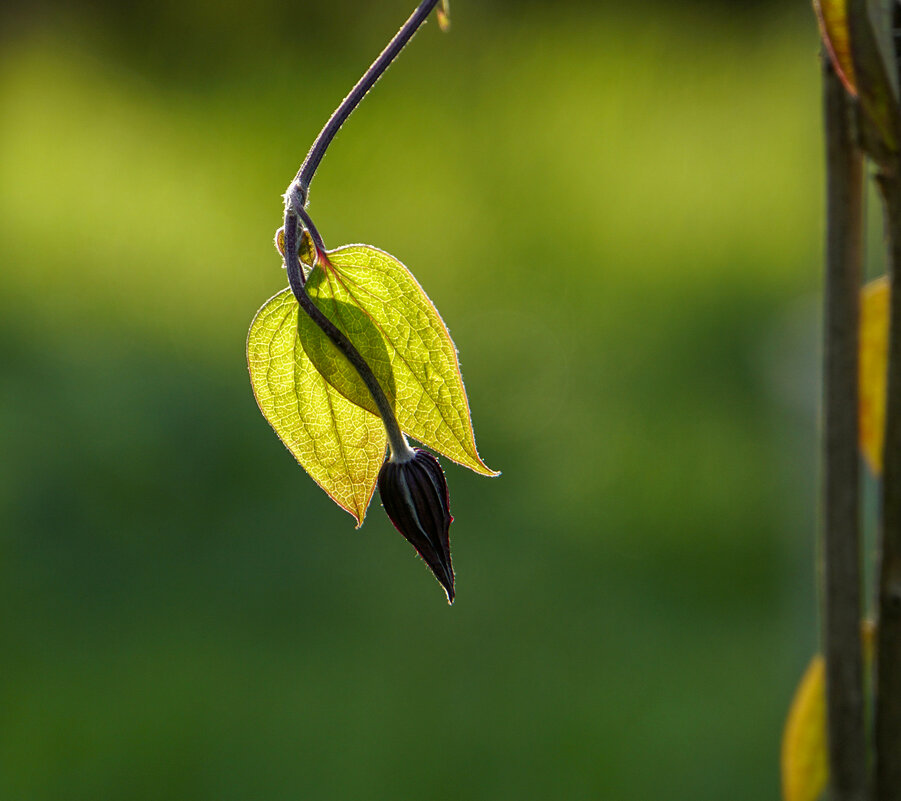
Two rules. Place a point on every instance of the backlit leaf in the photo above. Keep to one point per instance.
(376, 301)
(874, 325)
(367, 338)
(340, 444)
(833, 19)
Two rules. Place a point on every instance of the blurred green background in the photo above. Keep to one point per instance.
(618, 213)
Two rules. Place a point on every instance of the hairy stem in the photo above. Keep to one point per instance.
(400, 449)
(300, 186)
(841, 493)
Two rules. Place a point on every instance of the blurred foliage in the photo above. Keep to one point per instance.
(874, 327)
(804, 758)
(619, 217)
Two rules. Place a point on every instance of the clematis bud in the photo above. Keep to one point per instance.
(414, 494)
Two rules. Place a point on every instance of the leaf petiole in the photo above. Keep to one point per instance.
(400, 448)
(314, 232)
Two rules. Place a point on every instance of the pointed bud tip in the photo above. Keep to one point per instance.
(446, 580)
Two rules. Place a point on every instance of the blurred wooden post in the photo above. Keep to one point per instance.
(841, 496)
(876, 65)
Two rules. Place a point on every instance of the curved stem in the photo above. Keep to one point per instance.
(295, 202)
(299, 188)
(400, 449)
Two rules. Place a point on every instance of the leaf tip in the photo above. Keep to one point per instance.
(480, 467)
(353, 506)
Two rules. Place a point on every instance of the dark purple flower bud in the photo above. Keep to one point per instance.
(414, 494)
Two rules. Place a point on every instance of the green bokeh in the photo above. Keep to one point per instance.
(619, 217)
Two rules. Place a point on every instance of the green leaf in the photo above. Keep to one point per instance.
(340, 444)
(378, 304)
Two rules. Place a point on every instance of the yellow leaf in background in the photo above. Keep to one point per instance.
(804, 763)
(874, 320)
(444, 15)
(833, 18)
